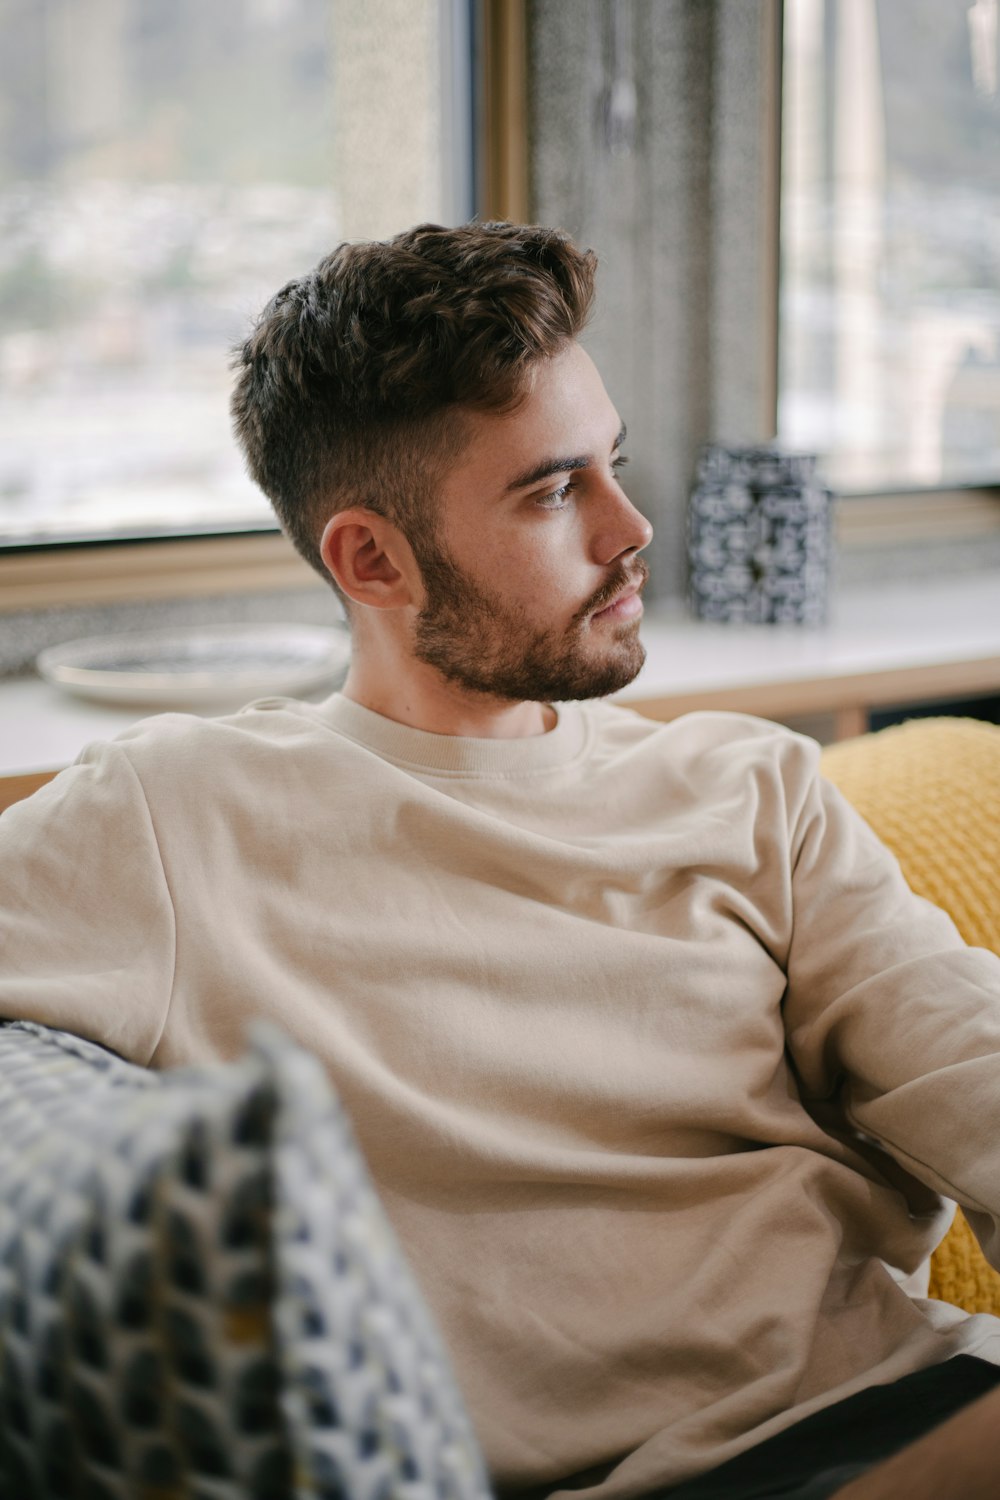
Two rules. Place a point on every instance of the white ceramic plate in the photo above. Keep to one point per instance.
(204, 667)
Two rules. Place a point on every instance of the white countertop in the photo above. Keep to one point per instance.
(933, 623)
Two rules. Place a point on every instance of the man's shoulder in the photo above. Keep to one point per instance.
(702, 732)
(186, 747)
(267, 720)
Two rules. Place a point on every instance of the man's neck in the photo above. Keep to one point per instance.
(423, 699)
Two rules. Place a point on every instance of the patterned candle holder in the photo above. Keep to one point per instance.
(759, 537)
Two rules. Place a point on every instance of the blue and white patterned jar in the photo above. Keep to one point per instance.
(758, 537)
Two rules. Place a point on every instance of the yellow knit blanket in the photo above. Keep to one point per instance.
(931, 791)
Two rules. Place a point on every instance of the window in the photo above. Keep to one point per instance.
(164, 166)
(889, 362)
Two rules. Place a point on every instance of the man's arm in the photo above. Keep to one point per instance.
(86, 920)
(890, 1014)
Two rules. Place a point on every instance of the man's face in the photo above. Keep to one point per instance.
(532, 574)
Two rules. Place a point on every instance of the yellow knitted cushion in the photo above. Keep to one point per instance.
(931, 791)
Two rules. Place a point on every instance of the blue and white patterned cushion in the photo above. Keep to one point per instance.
(200, 1294)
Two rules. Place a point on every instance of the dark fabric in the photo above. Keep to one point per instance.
(813, 1459)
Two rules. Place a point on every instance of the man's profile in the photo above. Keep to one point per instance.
(658, 1064)
(456, 434)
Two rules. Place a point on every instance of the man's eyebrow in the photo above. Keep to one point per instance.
(550, 466)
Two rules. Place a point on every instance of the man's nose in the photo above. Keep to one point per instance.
(621, 528)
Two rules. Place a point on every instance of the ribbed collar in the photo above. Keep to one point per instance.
(454, 755)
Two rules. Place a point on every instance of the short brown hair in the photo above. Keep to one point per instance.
(350, 383)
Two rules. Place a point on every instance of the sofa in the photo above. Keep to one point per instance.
(200, 1294)
(930, 788)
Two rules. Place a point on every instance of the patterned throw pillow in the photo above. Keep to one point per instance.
(200, 1295)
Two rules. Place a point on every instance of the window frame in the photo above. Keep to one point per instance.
(119, 571)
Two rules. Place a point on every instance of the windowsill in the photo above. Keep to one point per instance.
(123, 572)
(903, 518)
(883, 646)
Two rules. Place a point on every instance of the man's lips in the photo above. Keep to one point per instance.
(626, 605)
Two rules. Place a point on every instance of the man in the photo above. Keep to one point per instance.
(656, 1061)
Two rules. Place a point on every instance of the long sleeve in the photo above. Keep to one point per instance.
(890, 1015)
(86, 920)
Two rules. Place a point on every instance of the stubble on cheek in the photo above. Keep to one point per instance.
(479, 642)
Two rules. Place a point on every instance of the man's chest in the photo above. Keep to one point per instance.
(585, 992)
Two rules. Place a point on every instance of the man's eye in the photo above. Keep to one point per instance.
(557, 498)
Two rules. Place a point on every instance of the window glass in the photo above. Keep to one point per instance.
(165, 165)
(890, 241)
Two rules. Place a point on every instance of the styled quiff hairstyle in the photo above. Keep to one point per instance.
(351, 386)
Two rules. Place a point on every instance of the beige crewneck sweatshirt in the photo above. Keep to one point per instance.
(620, 1014)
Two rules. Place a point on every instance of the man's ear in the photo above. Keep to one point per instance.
(370, 559)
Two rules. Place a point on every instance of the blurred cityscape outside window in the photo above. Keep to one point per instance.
(165, 166)
(890, 241)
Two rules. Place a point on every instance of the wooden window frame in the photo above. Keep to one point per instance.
(501, 111)
(119, 572)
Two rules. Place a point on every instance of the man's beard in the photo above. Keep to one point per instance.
(476, 640)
